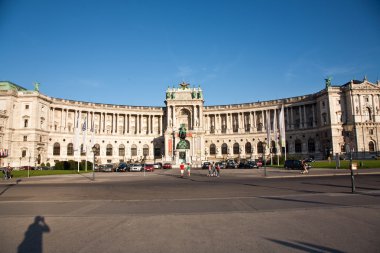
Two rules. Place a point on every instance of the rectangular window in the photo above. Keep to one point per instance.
(25, 138)
(23, 154)
(26, 106)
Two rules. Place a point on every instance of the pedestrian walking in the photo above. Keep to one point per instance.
(209, 170)
(182, 168)
(304, 166)
(7, 172)
(217, 169)
(213, 172)
(188, 167)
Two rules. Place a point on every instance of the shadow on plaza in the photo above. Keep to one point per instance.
(33, 240)
(304, 246)
(347, 186)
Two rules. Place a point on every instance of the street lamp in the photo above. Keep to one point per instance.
(350, 132)
(93, 164)
(265, 160)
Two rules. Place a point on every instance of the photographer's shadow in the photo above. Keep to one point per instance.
(33, 242)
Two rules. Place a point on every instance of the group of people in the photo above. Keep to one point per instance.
(182, 168)
(213, 170)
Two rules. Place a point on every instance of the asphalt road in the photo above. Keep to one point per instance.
(160, 212)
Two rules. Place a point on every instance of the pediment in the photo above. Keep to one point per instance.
(365, 86)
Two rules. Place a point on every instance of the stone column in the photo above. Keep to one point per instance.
(313, 112)
(53, 123)
(291, 118)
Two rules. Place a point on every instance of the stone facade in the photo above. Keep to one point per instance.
(36, 128)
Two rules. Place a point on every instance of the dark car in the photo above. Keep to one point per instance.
(123, 167)
(251, 165)
(231, 164)
(167, 166)
(309, 160)
(221, 165)
(205, 165)
(293, 164)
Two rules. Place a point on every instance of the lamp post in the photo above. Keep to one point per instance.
(265, 160)
(350, 133)
(93, 164)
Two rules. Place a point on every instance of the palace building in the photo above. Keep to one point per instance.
(36, 128)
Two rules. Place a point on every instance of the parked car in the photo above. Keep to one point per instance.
(157, 166)
(221, 165)
(149, 167)
(231, 164)
(309, 160)
(251, 165)
(205, 165)
(123, 167)
(136, 167)
(107, 167)
(167, 166)
(295, 165)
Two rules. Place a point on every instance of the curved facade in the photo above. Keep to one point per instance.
(36, 128)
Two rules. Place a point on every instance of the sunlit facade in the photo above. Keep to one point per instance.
(36, 128)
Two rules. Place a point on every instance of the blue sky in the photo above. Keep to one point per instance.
(129, 52)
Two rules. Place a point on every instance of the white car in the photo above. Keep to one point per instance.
(136, 167)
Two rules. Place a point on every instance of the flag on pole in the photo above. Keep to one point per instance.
(92, 135)
(268, 130)
(76, 134)
(275, 132)
(282, 127)
(84, 133)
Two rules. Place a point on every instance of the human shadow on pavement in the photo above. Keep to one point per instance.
(33, 240)
(304, 246)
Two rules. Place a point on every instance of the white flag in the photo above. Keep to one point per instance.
(282, 127)
(268, 130)
(92, 134)
(76, 134)
(84, 133)
(275, 132)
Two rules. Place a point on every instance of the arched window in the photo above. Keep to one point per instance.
(248, 148)
(134, 150)
(109, 150)
(212, 149)
(298, 146)
(260, 148)
(97, 151)
(236, 149)
(224, 149)
(121, 150)
(70, 149)
(371, 146)
(311, 146)
(56, 149)
(368, 114)
(342, 148)
(145, 150)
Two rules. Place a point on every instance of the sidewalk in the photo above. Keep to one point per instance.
(135, 176)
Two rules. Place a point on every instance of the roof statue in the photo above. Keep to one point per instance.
(184, 85)
(37, 86)
(328, 81)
